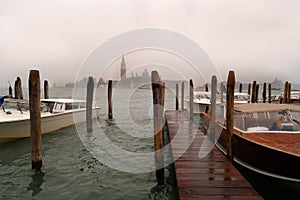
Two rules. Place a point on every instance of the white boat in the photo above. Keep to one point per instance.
(202, 100)
(55, 114)
(295, 96)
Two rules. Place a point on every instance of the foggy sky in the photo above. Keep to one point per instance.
(258, 39)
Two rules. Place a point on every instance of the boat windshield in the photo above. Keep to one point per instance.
(284, 120)
(16, 104)
(241, 97)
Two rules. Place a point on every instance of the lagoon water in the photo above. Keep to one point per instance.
(70, 171)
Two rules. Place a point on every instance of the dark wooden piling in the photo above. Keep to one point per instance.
(285, 94)
(163, 94)
(35, 119)
(18, 89)
(256, 95)
(191, 104)
(109, 97)
(206, 87)
(89, 104)
(249, 90)
(9, 90)
(182, 96)
(253, 96)
(177, 96)
(289, 93)
(264, 94)
(270, 93)
(222, 92)
(229, 113)
(213, 107)
(241, 88)
(158, 103)
(46, 89)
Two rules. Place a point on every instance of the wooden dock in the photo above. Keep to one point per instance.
(211, 177)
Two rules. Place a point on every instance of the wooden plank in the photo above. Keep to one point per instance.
(210, 177)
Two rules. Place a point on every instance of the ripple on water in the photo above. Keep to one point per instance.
(70, 172)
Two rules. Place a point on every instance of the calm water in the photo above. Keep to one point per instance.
(71, 172)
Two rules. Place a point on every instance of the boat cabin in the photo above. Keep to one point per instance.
(47, 105)
(62, 105)
(267, 117)
(240, 97)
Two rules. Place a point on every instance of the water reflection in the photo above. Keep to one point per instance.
(36, 183)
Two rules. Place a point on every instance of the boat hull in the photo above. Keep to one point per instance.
(257, 157)
(21, 128)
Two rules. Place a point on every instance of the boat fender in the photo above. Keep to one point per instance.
(8, 112)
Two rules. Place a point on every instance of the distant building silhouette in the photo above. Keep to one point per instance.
(137, 81)
(123, 68)
(277, 84)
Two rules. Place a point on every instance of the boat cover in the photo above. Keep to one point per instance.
(264, 107)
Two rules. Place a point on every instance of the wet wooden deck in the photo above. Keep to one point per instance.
(206, 177)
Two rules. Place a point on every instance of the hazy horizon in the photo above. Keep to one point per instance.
(258, 39)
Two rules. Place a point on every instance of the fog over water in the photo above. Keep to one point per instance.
(259, 39)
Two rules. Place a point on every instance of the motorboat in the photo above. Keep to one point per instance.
(55, 114)
(266, 138)
(295, 96)
(241, 97)
(202, 100)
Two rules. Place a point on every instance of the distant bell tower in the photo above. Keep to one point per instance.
(123, 68)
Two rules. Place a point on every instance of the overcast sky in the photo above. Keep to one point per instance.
(259, 39)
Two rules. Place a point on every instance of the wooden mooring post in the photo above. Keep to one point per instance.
(222, 92)
(285, 94)
(18, 88)
(213, 107)
(158, 109)
(191, 104)
(89, 104)
(182, 97)
(264, 94)
(249, 90)
(9, 90)
(270, 93)
(253, 96)
(109, 98)
(229, 113)
(289, 93)
(256, 95)
(35, 119)
(241, 88)
(46, 89)
(177, 97)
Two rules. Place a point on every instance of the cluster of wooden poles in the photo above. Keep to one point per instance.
(286, 98)
(18, 91)
(35, 112)
(158, 90)
(158, 96)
